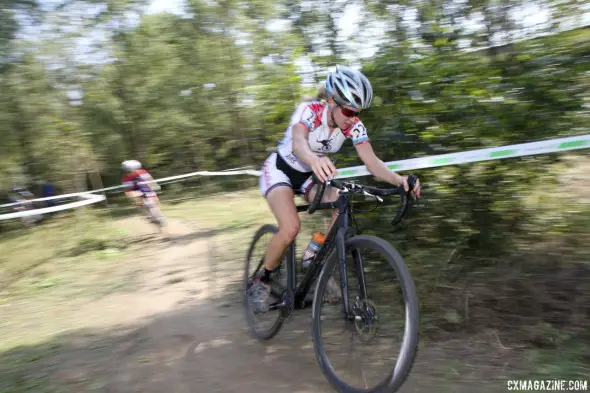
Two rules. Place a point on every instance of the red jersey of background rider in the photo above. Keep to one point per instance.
(132, 181)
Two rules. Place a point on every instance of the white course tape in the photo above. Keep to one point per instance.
(63, 196)
(495, 153)
(207, 173)
(88, 200)
(75, 194)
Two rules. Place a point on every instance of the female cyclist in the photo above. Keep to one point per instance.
(316, 129)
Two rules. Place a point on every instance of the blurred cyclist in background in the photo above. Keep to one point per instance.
(141, 188)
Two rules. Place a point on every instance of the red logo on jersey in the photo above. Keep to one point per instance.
(314, 120)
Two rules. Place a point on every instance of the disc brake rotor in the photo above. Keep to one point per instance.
(366, 319)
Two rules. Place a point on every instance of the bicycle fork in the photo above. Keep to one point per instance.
(358, 267)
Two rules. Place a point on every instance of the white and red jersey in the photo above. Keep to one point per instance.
(134, 181)
(314, 116)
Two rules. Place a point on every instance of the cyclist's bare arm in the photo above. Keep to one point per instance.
(154, 186)
(321, 166)
(301, 147)
(378, 167)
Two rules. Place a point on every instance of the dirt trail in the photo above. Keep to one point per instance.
(182, 329)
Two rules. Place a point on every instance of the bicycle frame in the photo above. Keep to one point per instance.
(336, 238)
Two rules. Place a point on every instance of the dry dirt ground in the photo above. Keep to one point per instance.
(180, 328)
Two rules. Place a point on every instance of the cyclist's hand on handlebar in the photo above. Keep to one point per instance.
(324, 169)
(416, 190)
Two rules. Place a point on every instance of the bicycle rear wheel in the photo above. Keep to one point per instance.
(366, 326)
(155, 213)
(254, 263)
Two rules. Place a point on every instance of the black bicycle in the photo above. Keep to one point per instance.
(360, 313)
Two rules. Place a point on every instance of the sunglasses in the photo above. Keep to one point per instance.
(347, 112)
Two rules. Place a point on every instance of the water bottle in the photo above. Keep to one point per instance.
(317, 240)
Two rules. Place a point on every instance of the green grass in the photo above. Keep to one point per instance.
(231, 210)
(47, 274)
(54, 268)
(571, 362)
(235, 218)
(60, 238)
(19, 372)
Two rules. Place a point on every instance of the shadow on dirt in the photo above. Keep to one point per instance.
(205, 346)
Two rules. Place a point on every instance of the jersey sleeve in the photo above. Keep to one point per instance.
(310, 115)
(357, 133)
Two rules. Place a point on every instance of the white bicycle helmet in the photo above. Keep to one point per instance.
(349, 87)
(131, 165)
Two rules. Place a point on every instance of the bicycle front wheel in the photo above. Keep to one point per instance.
(379, 288)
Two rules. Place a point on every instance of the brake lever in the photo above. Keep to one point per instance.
(342, 190)
(377, 197)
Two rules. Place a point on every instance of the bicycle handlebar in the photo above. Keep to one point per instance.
(353, 188)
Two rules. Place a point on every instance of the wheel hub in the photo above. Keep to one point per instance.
(365, 318)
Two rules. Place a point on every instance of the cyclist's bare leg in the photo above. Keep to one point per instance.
(333, 293)
(281, 202)
(330, 195)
